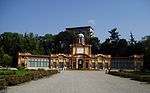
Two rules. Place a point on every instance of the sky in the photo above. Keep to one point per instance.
(53, 16)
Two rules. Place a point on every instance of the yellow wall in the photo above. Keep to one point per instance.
(74, 50)
(87, 50)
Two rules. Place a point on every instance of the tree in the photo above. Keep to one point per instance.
(114, 39)
(62, 42)
(7, 60)
(95, 42)
(106, 47)
(122, 47)
(146, 45)
(11, 43)
(1, 55)
(132, 40)
(114, 35)
(48, 43)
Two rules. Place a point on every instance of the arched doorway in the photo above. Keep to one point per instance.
(80, 63)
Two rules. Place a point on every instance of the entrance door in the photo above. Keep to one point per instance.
(80, 63)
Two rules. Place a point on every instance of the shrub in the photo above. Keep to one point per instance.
(20, 67)
(14, 80)
(9, 72)
(21, 72)
(30, 75)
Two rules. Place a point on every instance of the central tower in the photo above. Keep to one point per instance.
(80, 47)
(81, 53)
(81, 40)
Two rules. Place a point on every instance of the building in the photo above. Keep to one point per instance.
(87, 31)
(80, 58)
(134, 62)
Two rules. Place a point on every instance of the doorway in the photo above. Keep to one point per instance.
(80, 63)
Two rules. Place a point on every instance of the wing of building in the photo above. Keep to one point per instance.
(80, 57)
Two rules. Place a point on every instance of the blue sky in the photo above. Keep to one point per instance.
(53, 16)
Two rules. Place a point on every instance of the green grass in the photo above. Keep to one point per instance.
(7, 73)
(21, 72)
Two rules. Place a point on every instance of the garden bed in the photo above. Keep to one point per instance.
(21, 76)
(134, 75)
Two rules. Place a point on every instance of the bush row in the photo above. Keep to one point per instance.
(131, 75)
(31, 75)
(14, 80)
(7, 72)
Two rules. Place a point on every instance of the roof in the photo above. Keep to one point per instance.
(81, 35)
(83, 27)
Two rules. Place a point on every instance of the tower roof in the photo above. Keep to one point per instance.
(81, 35)
(83, 27)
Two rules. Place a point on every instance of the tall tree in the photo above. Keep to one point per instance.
(48, 43)
(122, 47)
(146, 44)
(62, 42)
(95, 42)
(1, 55)
(114, 36)
(106, 47)
(11, 44)
(7, 60)
(132, 40)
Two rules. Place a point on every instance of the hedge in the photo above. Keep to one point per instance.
(31, 75)
(131, 75)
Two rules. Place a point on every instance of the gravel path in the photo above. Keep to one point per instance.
(81, 82)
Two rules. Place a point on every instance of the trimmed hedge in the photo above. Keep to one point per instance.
(14, 80)
(7, 72)
(31, 75)
(143, 78)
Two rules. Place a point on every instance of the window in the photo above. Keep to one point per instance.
(54, 64)
(29, 64)
(38, 64)
(32, 64)
(106, 65)
(93, 65)
(41, 64)
(60, 64)
(47, 64)
(67, 64)
(74, 64)
(86, 64)
(44, 64)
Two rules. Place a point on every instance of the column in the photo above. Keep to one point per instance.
(57, 63)
(51, 65)
(25, 61)
(90, 64)
(19, 61)
(135, 65)
(76, 64)
(109, 64)
(96, 65)
(103, 64)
